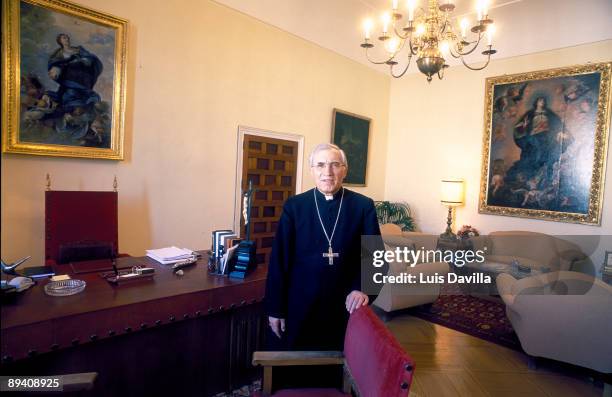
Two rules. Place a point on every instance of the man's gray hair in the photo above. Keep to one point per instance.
(327, 146)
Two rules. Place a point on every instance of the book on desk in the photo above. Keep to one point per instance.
(38, 272)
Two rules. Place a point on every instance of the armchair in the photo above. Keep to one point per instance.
(561, 315)
(393, 297)
(80, 225)
(375, 365)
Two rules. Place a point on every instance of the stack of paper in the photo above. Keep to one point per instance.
(170, 255)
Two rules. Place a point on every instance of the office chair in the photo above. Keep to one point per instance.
(80, 225)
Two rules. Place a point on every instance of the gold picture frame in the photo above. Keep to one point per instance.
(64, 80)
(545, 144)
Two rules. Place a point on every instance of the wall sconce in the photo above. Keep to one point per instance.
(451, 196)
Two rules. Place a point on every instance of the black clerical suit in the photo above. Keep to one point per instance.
(302, 287)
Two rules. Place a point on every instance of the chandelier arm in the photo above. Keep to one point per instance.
(480, 68)
(444, 26)
(413, 51)
(441, 75)
(398, 34)
(377, 62)
(475, 43)
(450, 51)
(403, 71)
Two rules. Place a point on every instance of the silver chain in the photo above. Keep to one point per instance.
(329, 239)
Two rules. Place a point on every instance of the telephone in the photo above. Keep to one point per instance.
(21, 283)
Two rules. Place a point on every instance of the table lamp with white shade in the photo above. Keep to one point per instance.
(451, 196)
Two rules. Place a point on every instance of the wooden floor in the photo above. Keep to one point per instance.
(450, 363)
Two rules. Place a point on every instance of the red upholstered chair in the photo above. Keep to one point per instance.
(80, 225)
(375, 365)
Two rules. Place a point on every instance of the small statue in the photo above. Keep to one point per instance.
(11, 269)
(247, 199)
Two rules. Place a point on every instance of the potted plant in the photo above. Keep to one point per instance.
(395, 212)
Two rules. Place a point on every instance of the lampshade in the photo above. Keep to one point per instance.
(452, 192)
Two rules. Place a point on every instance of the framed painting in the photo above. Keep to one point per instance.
(545, 144)
(63, 84)
(352, 134)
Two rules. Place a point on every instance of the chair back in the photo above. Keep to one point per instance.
(377, 363)
(80, 222)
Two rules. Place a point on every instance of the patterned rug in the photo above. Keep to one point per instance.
(484, 319)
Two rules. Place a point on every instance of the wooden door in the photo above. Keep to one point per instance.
(271, 164)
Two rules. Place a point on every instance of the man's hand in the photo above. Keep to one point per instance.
(355, 300)
(277, 325)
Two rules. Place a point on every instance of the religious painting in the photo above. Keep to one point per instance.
(352, 133)
(545, 144)
(63, 85)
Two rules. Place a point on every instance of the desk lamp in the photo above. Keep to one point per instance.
(451, 196)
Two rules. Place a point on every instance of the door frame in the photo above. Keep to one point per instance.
(245, 130)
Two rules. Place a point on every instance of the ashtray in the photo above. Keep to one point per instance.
(65, 287)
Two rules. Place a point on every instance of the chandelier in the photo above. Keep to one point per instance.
(431, 37)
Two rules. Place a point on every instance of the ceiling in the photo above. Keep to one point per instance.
(522, 26)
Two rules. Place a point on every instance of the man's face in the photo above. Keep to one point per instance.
(328, 171)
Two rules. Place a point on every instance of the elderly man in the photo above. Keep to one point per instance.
(314, 277)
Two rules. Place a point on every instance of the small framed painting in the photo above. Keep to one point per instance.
(351, 133)
(63, 84)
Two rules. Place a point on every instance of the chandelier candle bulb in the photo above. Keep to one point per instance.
(394, 5)
(490, 33)
(464, 25)
(420, 30)
(385, 20)
(392, 45)
(483, 9)
(367, 26)
(411, 5)
(445, 48)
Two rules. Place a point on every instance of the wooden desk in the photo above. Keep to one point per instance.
(192, 334)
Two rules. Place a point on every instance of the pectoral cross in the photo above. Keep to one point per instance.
(330, 254)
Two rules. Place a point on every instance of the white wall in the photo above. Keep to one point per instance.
(436, 131)
(196, 70)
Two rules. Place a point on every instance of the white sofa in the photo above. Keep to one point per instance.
(563, 315)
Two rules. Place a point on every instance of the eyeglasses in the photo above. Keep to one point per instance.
(323, 165)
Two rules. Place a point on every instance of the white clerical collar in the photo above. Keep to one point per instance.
(329, 196)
